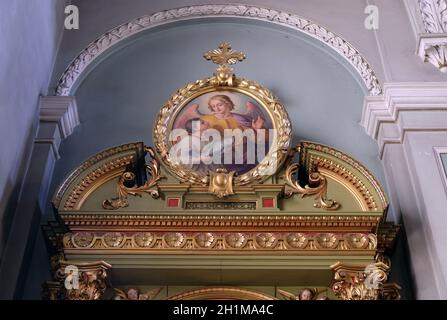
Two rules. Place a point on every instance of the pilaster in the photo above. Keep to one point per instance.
(409, 123)
(58, 117)
(432, 39)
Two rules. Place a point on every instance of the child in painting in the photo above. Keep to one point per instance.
(237, 147)
(188, 151)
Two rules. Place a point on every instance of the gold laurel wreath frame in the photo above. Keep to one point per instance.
(168, 113)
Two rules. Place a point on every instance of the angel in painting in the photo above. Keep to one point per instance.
(222, 118)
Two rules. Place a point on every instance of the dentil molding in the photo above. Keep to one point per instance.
(405, 107)
(80, 64)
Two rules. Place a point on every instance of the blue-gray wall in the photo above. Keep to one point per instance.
(30, 32)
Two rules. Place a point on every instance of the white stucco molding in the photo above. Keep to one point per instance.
(432, 45)
(433, 48)
(62, 110)
(405, 107)
(414, 14)
(74, 71)
(434, 15)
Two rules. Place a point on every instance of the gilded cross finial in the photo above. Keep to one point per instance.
(224, 55)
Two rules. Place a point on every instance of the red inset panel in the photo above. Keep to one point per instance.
(173, 202)
(268, 202)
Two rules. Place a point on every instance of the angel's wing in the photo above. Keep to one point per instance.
(287, 295)
(253, 111)
(151, 294)
(120, 293)
(190, 113)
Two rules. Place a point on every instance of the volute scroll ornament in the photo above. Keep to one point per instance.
(126, 185)
(317, 187)
(352, 282)
(359, 282)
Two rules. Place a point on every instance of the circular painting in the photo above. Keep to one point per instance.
(205, 128)
(221, 129)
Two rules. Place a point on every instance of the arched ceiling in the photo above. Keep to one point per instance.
(114, 38)
(121, 95)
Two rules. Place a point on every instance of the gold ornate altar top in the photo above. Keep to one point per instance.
(300, 218)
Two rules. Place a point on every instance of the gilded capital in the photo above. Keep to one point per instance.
(83, 281)
(359, 282)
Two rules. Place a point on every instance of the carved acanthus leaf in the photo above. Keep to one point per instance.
(434, 15)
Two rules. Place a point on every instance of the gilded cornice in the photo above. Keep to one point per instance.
(79, 220)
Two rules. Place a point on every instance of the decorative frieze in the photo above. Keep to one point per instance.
(218, 241)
